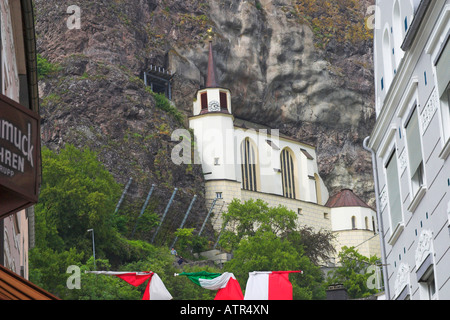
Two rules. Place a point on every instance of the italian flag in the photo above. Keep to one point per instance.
(227, 286)
(155, 289)
(269, 285)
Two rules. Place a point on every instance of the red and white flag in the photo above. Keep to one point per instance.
(155, 290)
(269, 285)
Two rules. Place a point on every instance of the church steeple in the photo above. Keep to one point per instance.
(211, 81)
(212, 98)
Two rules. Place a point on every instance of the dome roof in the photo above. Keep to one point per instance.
(346, 198)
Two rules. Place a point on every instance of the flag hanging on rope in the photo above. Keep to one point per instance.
(155, 289)
(269, 285)
(227, 286)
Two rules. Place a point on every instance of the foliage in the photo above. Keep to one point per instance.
(164, 104)
(353, 273)
(317, 245)
(266, 239)
(245, 219)
(48, 268)
(44, 67)
(77, 194)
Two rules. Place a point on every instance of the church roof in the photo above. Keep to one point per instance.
(346, 198)
(245, 124)
(211, 81)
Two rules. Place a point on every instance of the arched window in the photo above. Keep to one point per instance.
(318, 189)
(249, 165)
(387, 59)
(373, 225)
(287, 174)
(397, 25)
(353, 222)
(204, 101)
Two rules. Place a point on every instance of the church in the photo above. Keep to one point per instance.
(245, 160)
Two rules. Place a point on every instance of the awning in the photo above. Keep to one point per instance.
(15, 287)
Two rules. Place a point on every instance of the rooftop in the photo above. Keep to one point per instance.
(346, 198)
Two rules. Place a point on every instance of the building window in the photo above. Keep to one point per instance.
(223, 100)
(397, 33)
(204, 100)
(318, 189)
(443, 85)
(428, 286)
(387, 59)
(353, 222)
(393, 188)
(219, 195)
(366, 222)
(414, 151)
(445, 111)
(249, 165)
(287, 174)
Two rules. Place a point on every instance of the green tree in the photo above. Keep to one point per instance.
(48, 268)
(352, 273)
(245, 219)
(264, 238)
(77, 194)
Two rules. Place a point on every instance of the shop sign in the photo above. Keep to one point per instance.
(19, 156)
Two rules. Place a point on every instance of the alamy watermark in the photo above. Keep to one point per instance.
(74, 280)
(74, 20)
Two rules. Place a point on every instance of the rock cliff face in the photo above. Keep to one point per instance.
(268, 53)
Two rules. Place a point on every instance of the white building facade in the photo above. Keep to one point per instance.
(411, 145)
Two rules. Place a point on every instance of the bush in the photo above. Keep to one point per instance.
(45, 68)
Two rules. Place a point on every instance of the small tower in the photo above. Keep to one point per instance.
(212, 98)
(213, 126)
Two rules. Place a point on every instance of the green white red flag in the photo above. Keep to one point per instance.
(227, 286)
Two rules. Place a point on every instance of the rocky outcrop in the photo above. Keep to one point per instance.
(265, 53)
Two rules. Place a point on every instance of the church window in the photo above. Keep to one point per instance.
(249, 165)
(223, 100)
(287, 174)
(204, 100)
(353, 222)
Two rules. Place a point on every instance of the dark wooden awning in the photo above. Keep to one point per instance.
(15, 287)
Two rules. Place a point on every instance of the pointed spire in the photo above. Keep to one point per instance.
(211, 77)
